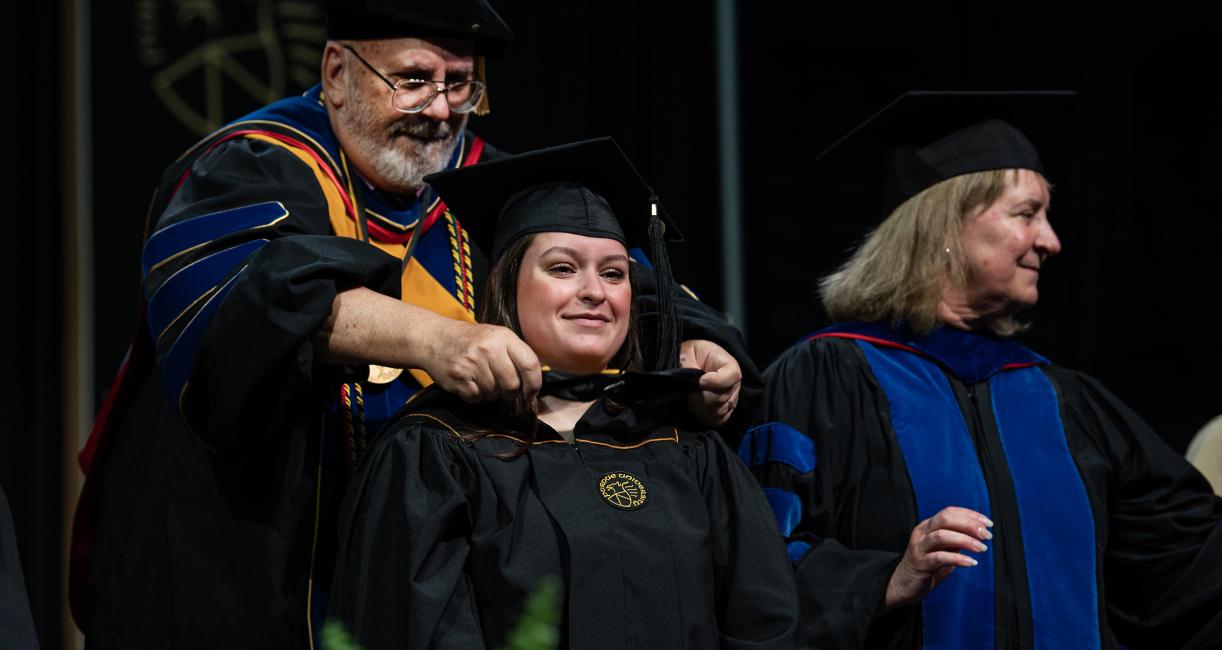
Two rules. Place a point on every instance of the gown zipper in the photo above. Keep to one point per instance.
(1012, 617)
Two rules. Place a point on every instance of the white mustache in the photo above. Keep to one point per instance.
(423, 128)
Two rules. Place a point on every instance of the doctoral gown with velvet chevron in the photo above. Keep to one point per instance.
(1104, 536)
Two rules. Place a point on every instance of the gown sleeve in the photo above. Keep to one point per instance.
(1162, 562)
(754, 585)
(400, 579)
(819, 408)
(239, 271)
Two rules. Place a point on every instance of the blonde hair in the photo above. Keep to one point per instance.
(898, 274)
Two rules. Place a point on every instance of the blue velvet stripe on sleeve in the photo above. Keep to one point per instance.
(183, 236)
(796, 551)
(787, 508)
(777, 442)
(191, 283)
(178, 363)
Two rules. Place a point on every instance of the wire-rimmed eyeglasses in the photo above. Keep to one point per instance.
(415, 95)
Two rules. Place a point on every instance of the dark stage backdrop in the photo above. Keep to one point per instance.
(1131, 300)
(33, 393)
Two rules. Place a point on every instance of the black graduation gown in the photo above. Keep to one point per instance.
(442, 538)
(1103, 535)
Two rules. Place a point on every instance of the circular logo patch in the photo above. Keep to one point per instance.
(623, 491)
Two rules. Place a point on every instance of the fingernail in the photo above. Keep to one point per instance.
(980, 548)
(984, 532)
(986, 521)
(973, 561)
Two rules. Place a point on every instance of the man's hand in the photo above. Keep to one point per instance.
(476, 362)
(483, 362)
(719, 386)
(934, 551)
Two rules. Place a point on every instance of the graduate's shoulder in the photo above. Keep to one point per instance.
(434, 412)
(440, 412)
(706, 444)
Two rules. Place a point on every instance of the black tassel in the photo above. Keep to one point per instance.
(667, 350)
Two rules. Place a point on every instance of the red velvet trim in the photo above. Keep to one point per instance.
(476, 150)
(92, 460)
(871, 339)
(901, 346)
(85, 458)
(381, 234)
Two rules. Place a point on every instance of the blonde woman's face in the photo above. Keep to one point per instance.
(1005, 246)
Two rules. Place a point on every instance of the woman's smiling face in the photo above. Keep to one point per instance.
(1005, 244)
(574, 300)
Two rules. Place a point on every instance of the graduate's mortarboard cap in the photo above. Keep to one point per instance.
(585, 188)
(925, 137)
(471, 20)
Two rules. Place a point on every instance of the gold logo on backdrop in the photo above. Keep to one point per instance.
(624, 491)
(213, 60)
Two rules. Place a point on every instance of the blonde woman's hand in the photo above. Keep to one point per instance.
(935, 550)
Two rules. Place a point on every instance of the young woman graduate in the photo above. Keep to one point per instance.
(657, 534)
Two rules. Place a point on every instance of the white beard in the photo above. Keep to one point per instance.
(405, 171)
(400, 160)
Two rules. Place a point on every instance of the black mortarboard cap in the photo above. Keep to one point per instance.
(585, 188)
(471, 20)
(925, 137)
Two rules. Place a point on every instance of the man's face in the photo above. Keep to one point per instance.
(396, 150)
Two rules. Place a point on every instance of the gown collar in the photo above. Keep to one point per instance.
(627, 407)
(971, 356)
(629, 403)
